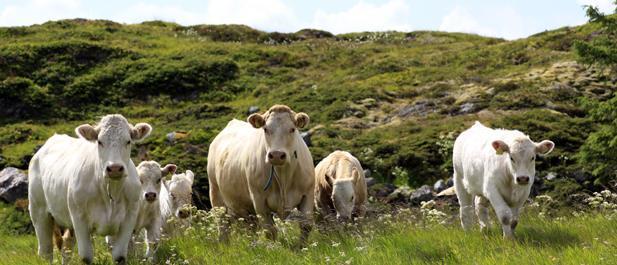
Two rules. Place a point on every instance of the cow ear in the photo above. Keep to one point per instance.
(169, 169)
(256, 120)
(302, 119)
(87, 132)
(500, 147)
(544, 147)
(190, 175)
(140, 131)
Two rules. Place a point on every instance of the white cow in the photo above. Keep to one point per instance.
(88, 184)
(151, 174)
(176, 198)
(496, 166)
(263, 167)
(340, 186)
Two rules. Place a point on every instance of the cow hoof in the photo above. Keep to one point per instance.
(86, 260)
(514, 224)
(120, 260)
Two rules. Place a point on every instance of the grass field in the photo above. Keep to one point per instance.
(409, 236)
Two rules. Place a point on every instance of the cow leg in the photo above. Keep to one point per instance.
(153, 234)
(503, 212)
(84, 241)
(264, 212)
(306, 222)
(43, 227)
(466, 202)
(515, 215)
(121, 240)
(68, 241)
(482, 213)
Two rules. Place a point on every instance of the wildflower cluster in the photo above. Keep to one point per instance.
(604, 201)
(432, 215)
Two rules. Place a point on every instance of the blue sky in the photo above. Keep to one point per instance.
(508, 19)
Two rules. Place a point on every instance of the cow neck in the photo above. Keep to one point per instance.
(281, 175)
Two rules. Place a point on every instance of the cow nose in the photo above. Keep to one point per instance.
(183, 213)
(115, 168)
(277, 157)
(522, 180)
(150, 196)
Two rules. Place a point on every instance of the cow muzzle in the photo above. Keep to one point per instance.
(522, 180)
(150, 196)
(115, 171)
(277, 158)
(183, 213)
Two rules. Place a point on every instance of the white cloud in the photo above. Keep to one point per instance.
(270, 15)
(391, 15)
(505, 23)
(39, 11)
(605, 6)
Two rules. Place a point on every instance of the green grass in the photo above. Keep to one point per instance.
(403, 238)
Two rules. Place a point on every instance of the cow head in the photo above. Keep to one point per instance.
(280, 128)
(343, 197)
(114, 136)
(521, 157)
(181, 191)
(150, 175)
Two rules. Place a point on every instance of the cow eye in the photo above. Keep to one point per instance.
(100, 143)
(128, 142)
(533, 158)
(351, 200)
(158, 181)
(512, 159)
(266, 130)
(292, 130)
(173, 196)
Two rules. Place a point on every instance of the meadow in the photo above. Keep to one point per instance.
(388, 235)
(396, 100)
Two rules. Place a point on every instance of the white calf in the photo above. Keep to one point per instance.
(496, 166)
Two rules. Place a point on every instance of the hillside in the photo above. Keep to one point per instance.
(396, 100)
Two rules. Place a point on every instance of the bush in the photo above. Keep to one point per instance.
(15, 220)
(21, 98)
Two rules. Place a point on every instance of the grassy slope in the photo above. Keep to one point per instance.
(327, 78)
(588, 239)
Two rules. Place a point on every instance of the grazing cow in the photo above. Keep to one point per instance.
(176, 198)
(151, 174)
(263, 167)
(496, 166)
(88, 184)
(340, 186)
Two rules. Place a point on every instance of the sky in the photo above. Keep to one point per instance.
(509, 19)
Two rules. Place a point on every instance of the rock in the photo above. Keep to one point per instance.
(420, 108)
(421, 194)
(13, 185)
(370, 182)
(367, 173)
(306, 136)
(381, 190)
(581, 176)
(252, 109)
(173, 136)
(439, 186)
(401, 194)
(369, 103)
(450, 182)
(467, 108)
(551, 176)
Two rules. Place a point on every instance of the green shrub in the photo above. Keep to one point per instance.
(21, 98)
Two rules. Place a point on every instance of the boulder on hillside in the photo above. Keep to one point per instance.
(399, 195)
(421, 194)
(440, 185)
(13, 185)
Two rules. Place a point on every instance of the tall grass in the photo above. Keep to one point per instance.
(406, 237)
